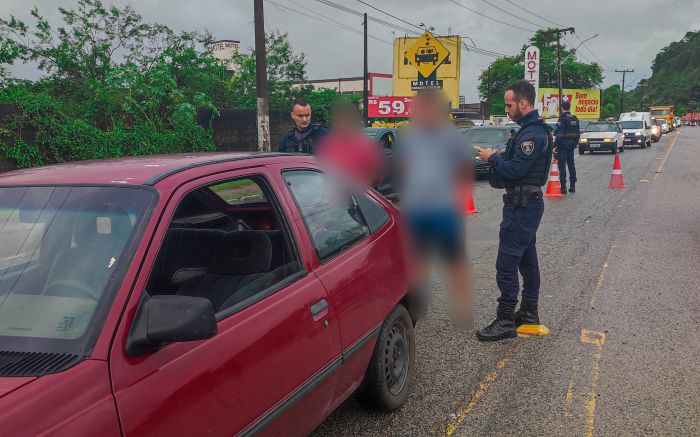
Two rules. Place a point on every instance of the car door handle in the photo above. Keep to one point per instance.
(319, 307)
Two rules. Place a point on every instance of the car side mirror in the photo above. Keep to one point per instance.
(167, 319)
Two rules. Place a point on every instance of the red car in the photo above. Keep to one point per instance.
(207, 294)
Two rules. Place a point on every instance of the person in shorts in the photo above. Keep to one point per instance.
(435, 164)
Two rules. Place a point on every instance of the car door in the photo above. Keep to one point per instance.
(270, 367)
(357, 258)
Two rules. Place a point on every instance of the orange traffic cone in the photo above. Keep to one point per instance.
(616, 180)
(469, 208)
(553, 186)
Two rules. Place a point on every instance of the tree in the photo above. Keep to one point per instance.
(285, 69)
(506, 70)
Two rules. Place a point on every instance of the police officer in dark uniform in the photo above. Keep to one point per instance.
(304, 136)
(567, 134)
(522, 171)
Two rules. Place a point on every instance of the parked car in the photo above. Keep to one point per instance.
(601, 135)
(636, 127)
(486, 136)
(386, 138)
(223, 294)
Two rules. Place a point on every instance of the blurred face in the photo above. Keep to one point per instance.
(301, 116)
(515, 108)
(345, 122)
(429, 112)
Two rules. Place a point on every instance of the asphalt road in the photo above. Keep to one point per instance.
(620, 294)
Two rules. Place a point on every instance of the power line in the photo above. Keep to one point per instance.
(490, 18)
(392, 16)
(593, 53)
(369, 17)
(534, 14)
(511, 14)
(326, 20)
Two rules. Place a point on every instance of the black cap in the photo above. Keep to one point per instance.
(566, 106)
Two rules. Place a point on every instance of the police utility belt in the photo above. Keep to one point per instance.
(519, 196)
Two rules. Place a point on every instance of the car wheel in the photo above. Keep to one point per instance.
(580, 151)
(392, 366)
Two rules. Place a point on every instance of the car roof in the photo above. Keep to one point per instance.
(136, 170)
(487, 127)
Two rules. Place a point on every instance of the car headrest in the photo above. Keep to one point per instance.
(242, 253)
(108, 223)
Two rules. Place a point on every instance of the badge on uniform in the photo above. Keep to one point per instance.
(527, 147)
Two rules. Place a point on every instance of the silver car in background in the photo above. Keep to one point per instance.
(602, 136)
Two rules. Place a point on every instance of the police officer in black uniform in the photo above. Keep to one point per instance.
(522, 171)
(567, 134)
(304, 136)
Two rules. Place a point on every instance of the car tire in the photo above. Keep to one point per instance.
(385, 385)
(581, 151)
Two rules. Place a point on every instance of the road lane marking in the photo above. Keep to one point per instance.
(596, 338)
(569, 400)
(658, 170)
(644, 181)
(600, 278)
(586, 371)
(484, 385)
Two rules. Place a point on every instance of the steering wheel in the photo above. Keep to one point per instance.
(71, 287)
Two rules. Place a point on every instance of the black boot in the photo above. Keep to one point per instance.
(572, 188)
(563, 189)
(500, 328)
(527, 313)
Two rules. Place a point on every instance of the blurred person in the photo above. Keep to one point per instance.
(346, 149)
(522, 170)
(434, 164)
(567, 134)
(304, 136)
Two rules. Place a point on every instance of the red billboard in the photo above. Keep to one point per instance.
(391, 107)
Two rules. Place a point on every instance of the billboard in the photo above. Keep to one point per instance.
(427, 62)
(389, 106)
(584, 103)
(532, 69)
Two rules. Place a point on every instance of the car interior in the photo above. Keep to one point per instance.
(226, 242)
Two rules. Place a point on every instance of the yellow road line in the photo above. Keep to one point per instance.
(478, 393)
(600, 278)
(569, 400)
(658, 170)
(596, 338)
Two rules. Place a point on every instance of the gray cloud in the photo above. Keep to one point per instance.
(631, 33)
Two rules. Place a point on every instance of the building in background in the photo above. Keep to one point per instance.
(378, 84)
(224, 50)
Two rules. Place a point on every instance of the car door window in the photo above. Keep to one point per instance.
(231, 247)
(331, 215)
(374, 214)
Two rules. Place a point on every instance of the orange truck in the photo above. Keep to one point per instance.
(667, 113)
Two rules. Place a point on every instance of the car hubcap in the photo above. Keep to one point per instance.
(396, 358)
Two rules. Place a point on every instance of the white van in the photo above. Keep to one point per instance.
(636, 127)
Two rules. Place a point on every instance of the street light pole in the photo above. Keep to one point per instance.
(559, 33)
(261, 79)
(365, 77)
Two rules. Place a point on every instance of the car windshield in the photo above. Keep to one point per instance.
(601, 127)
(63, 252)
(660, 112)
(631, 124)
(491, 136)
(662, 121)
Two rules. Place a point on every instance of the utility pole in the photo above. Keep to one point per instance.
(559, 33)
(487, 111)
(261, 79)
(622, 91)
(642, 84)
(365, 76)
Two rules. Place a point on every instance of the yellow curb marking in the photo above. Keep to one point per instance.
(477, 394)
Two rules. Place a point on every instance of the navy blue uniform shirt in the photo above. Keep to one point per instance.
(530, 142)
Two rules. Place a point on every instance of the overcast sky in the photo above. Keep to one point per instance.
(631, 32)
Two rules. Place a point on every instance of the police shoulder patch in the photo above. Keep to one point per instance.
(527, 147)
